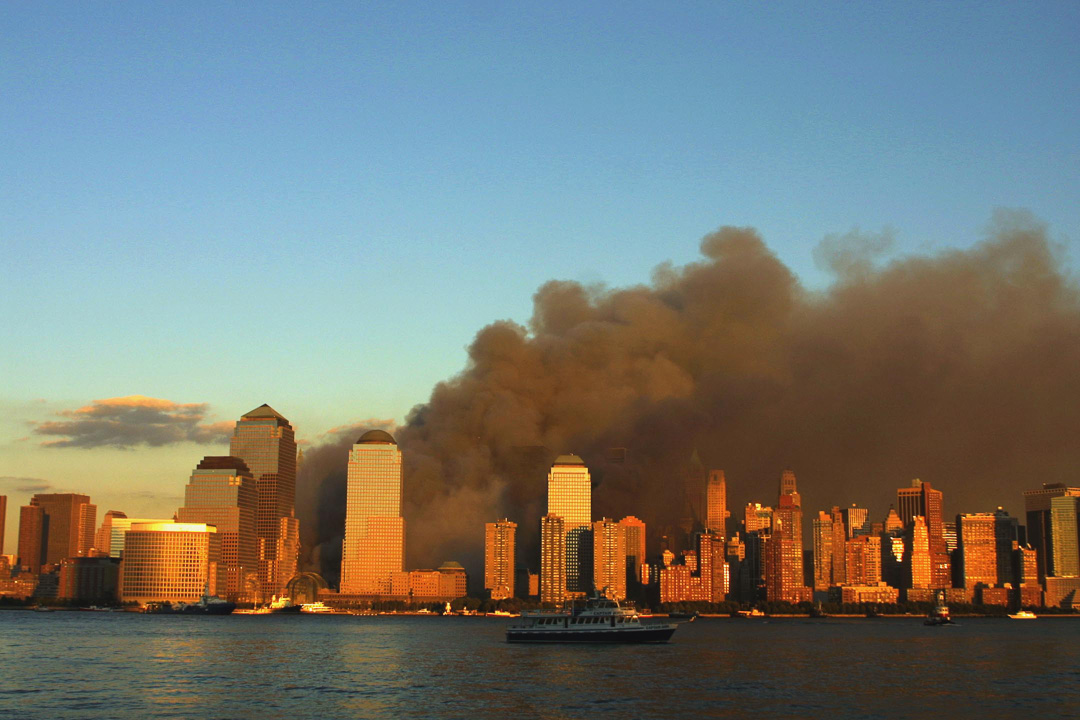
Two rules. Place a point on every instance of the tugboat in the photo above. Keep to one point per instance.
(940, 614)
(600, 621)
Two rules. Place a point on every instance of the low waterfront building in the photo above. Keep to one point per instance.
(879, 593)
(171, 562)
(89, 580)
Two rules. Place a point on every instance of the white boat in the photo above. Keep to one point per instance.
(1024, 615)
(316, 607)
(600, 621)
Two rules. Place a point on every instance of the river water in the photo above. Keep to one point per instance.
(124, 665)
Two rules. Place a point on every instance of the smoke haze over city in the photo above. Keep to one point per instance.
(956, 367)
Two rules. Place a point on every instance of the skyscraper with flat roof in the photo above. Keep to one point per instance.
(552, 559)
(609, 558)
(716, 512)
(855, 521)
(374, 545)
(103, 536)
(822, 538)
(1039, 535)
(65, 527)
(31, 537)
(221, 492)
(634, 531)
(569, 497)
(977, 551)
(265, 441)
(1065, 535)
(499, 540)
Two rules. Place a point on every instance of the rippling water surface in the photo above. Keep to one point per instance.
(123, 665)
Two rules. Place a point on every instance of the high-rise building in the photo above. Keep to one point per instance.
(221, 492)
(3, 521)
(757, 519)
(855, 521)
(839, 548)
(173, 562)
(552, 559)
(31, 537)
(65, 527)
(893, 523)
(916, 563)
(634, 531)
(570, 497)
(1037, 510)
(609, 558)
(103, 536)
(499, 558)
(1065, 536)
(265, 441)
(921, 499)
(863, 563)
(823, 554)
(118, 532)
(784, 549)
(716, 512)
(986, 543)
(374, 546)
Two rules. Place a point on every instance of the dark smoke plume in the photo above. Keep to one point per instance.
(958, 368)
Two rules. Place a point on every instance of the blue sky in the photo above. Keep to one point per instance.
(318, 205)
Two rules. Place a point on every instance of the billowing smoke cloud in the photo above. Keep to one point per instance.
(959, 368)
(126, 422)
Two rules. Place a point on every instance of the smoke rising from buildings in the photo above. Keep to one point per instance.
(959, 368)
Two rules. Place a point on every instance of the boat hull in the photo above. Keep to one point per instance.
(658, 634)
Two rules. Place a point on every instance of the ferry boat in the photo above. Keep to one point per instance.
(316, 607)
(601, 620)
(940, 614)
(752, 613)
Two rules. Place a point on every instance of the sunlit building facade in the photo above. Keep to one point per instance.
(374, 545)
(1039, 531)
(67, 525)
(31, 537)
(863, 562)
(922, 499)
(609, 558)
(634, 533)
(569, 496)
(3, 521)
(822, 538)
(174, 562)
(757, 518)
(499, 540)
(221, 492)
(103, 536)
(716, 512)
(265, 441)
(1065, 536)
(552, 559)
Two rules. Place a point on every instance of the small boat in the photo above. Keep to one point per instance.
(601, 621)
(753, 613)
(940, 614)
(1023, 615)
(316, 607)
